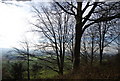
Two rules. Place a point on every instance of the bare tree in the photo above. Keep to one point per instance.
(24, 53)
(100, 36)
(57, 28)
(93, 37)
(89, 44)
(106, 36)
(117, 32)
(84, 20)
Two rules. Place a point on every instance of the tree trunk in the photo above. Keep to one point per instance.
(78, 36)
(92, 51)
(76, 63)
(28, 64)
(61, 71)
(28, 69)
(100, 57)
(91, 58)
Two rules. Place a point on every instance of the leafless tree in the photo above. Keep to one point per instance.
(84, 19)
(106, 32)
(117, 32)
(99, 37)
(57, 28)
(24, 53)
(89, 44)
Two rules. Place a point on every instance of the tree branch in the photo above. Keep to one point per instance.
(90, 13)
(101, 19)
(64, 9)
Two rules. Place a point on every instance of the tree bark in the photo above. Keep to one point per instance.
(92, 51)
(101, 56)
(78, 36)
(28, 63)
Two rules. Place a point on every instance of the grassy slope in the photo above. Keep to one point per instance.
(107, 71)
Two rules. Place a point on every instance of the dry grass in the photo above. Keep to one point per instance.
(87, 72)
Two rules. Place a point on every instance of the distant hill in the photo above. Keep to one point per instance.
(4, 52)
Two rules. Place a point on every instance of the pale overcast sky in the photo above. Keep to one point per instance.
(14, 24)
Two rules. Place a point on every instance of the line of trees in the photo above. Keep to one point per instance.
(110, 10)
(74, 29)
(58, 30)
